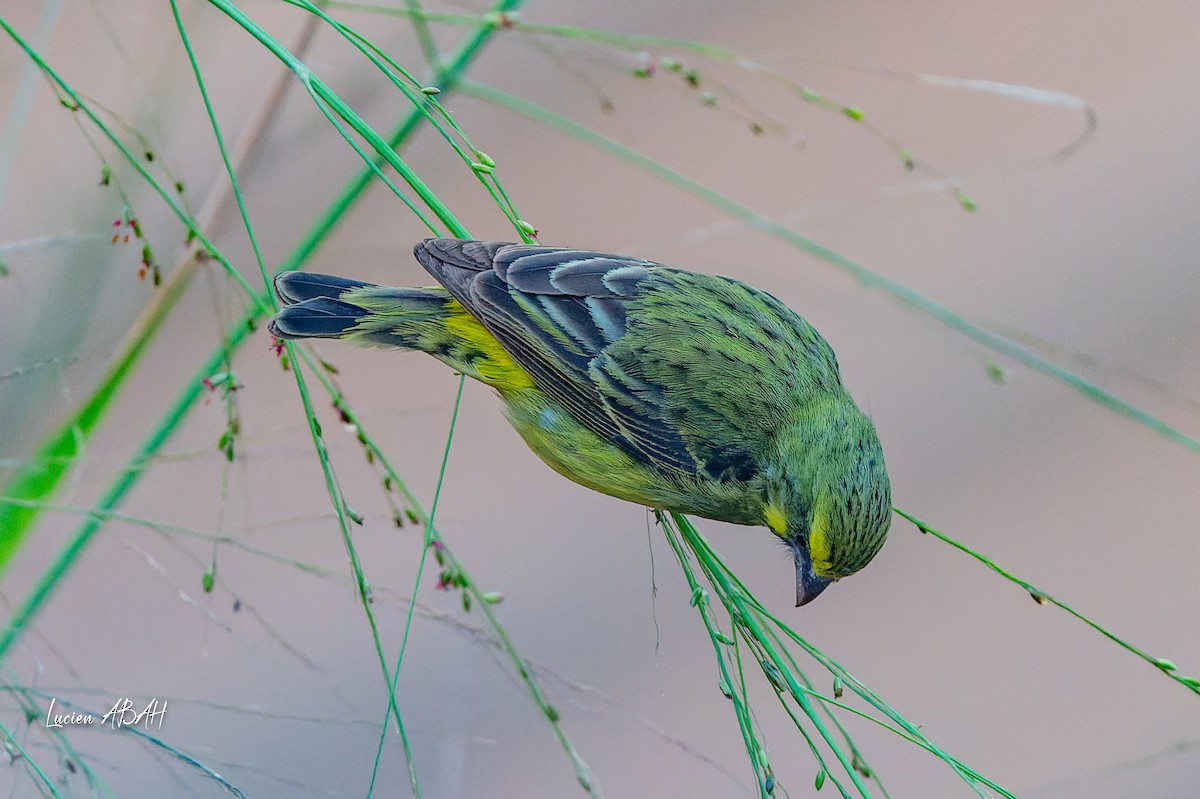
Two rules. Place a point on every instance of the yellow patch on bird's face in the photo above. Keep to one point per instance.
(775, 518)
(818, 542)
(496, 367)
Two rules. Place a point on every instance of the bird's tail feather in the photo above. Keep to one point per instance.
(425, 319)
(325, 306)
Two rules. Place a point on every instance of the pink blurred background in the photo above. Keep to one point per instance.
(1090, 258)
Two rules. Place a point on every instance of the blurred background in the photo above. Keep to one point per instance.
(1082, 248)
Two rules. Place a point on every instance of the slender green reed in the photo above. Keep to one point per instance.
(1164, 665)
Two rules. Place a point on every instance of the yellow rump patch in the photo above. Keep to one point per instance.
(496, 367)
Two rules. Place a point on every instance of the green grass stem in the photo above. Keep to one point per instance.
(1163, 665)
(753, 623)
(40, 485)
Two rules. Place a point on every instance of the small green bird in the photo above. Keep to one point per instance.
(671, 389)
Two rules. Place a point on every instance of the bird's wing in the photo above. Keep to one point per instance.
(684, 371)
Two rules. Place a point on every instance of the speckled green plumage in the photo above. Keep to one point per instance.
(659, 386)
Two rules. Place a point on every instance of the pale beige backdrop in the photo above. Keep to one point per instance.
(1094, 256)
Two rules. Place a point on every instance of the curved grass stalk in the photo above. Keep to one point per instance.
(334, 490)
(751, 620)
(634, 43)
(473, 596)
(740, 700)
(327, 98)
(394, 676)
(480, 163)
(97, 514)
(24, 694)
(41, 475)
(857, 760)
(42, 472)
(319, 90)
(11, 744)
(1164, 665)
(424, 36)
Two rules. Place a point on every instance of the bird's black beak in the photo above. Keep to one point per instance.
(808, 585)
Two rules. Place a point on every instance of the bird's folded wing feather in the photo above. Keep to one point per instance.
(684, 371)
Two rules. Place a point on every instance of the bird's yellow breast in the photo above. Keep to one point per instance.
(579, 454)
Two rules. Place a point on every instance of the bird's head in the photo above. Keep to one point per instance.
(829, 498)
